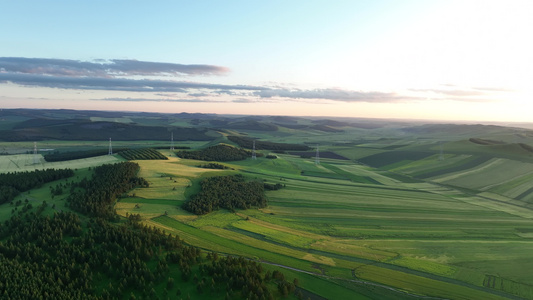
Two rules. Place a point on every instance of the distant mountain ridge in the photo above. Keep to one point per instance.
(38, 124)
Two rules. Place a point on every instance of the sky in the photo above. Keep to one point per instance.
(436, 60)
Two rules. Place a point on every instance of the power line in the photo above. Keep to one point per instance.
(253, 151)
(35, 157)
(172, 141)
(317, 157)
(441, 156)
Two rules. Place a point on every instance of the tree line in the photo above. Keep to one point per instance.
(12, 184)
(217, 153)
(142, 154)
(214, 166)
(229, 192)
(96, 196)
(54, 258)
(247, 275)
(66, 257)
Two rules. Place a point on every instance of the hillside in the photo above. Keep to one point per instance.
(390, 210)
(76, 129)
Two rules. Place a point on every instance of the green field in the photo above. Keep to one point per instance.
(439, 242)
(443, 243)
(29, 162)
(398, 220)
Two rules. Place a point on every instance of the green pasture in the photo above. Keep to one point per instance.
(431, 163)
(342, 219)
(25, 162)
(219, 218)
(493, 173)
(356, 152)
(409, 228)
(367, 172)
(281, 166)
(394, 159)
(385, 145)
(274, 235)
(514, 187)
(350, 175)
(53, 145)
(331, 290)
(281, 244)
(509, 151)
(37, 196)
(229, 242)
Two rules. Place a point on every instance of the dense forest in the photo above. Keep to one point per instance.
(96, 196)
(142, 154)
(66, 257)
(12, 184)
(214, 166)
(217, 153)
(246, 142)
(229, 192)
(55, 258)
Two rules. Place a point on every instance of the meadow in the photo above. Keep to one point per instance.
(417, 238)
(29, 162)
(411, 214)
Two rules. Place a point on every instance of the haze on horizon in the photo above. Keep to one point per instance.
(440, 60)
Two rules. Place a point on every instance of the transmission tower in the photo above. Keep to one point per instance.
(35, 157)
(172, 141)
(253, 151)
(110, 148)
(441, 157)
(317, 157)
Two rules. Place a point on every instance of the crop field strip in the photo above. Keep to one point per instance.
(489, 220)
(215, 229)
(442, 206)
(443, 218)
(419, 234)
(383, 160)
(364, 266)
(365, 172)
(458, 166)
(232, 243)
(516, 188)
(481, 227)
(481, 173)
(431, 164)
(370, 271)
(492, 172)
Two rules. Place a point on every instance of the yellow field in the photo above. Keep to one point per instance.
(174, 166)
(168, 181)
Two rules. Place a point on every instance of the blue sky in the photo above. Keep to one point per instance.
(450, 60)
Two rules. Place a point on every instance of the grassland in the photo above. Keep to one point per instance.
(36, 197)
(28, 162)
(396, 221)
(418, 238)
(415, 238)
